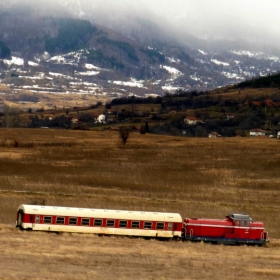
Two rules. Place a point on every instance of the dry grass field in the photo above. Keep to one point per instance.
(238, 93)
(197, 177)
(52, 101)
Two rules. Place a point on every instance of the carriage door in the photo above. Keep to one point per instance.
(19, 220)
(175, 226)
(32, 218)
(169, 228)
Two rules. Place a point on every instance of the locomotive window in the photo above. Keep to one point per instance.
(60, 220)
(148, 225)
(135, 224)
(72, 221)
(160, 225)
(47, 220)
(110, 223)
(237, 223)
(123, 224)
(85, 222)
(97, 223)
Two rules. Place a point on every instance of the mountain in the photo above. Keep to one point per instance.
(131, 55)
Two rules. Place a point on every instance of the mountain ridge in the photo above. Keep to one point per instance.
(157, 65)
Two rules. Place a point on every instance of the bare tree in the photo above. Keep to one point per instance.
(124, 133)
(12, 117)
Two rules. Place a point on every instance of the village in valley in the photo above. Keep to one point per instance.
(241, 110)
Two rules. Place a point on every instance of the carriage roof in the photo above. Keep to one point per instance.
(100, 213)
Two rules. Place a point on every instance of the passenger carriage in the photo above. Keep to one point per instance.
(99, 221)
(235, 229)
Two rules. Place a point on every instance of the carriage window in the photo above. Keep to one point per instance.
(37, 219)
(237, 223)
(242, 223)
(148, 225)
(97, 223)
(135, 224)
(60, 220)
(72, 221)
(160, 225)
(110, 223)
(47, 220)
(85, 222)
(123, 224)
(169, 226)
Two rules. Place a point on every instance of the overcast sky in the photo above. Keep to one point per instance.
(214, 17)
(256, 19)
(252, 19)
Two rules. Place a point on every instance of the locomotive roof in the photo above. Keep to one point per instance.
(243, 217)
(100, 213)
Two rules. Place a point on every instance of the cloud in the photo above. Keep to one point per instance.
(253, 20)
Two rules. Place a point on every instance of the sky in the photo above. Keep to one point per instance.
(223, 17)
(255, 20)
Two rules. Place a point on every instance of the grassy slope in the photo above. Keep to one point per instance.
(195, 177)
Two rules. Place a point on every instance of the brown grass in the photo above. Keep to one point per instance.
(195, 177)
(237, 93)
(76, 256)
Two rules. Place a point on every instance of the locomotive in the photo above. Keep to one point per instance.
(235, 229)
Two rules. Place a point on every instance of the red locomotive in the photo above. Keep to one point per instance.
(235, 229)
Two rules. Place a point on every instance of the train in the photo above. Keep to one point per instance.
(234, 229)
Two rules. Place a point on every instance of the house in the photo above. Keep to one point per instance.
(191, 120)
(95, 117)
(75, 120)
(257, 132)
(111, 112)
(214, 134)
(136, 128)
(228, 116)
(112, 119)
(101, 119)
(26, 122)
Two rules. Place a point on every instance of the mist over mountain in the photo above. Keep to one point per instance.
(252, 23)
(141, 47)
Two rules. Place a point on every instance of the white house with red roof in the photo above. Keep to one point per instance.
(214, 134)
(191, 120)
(257, 132)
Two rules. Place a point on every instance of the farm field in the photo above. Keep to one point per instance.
(196, 177)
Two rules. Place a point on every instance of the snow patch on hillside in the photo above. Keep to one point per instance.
(175, 73)
(14, 61)
(258, 55)
(232, 76)
(34, 64)
(170, 88)
(194, 77)
(59, 75)
(91, 66)
(131, 83)
(219, 62)
(204, 53)
(173, 60)
(88, 73)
